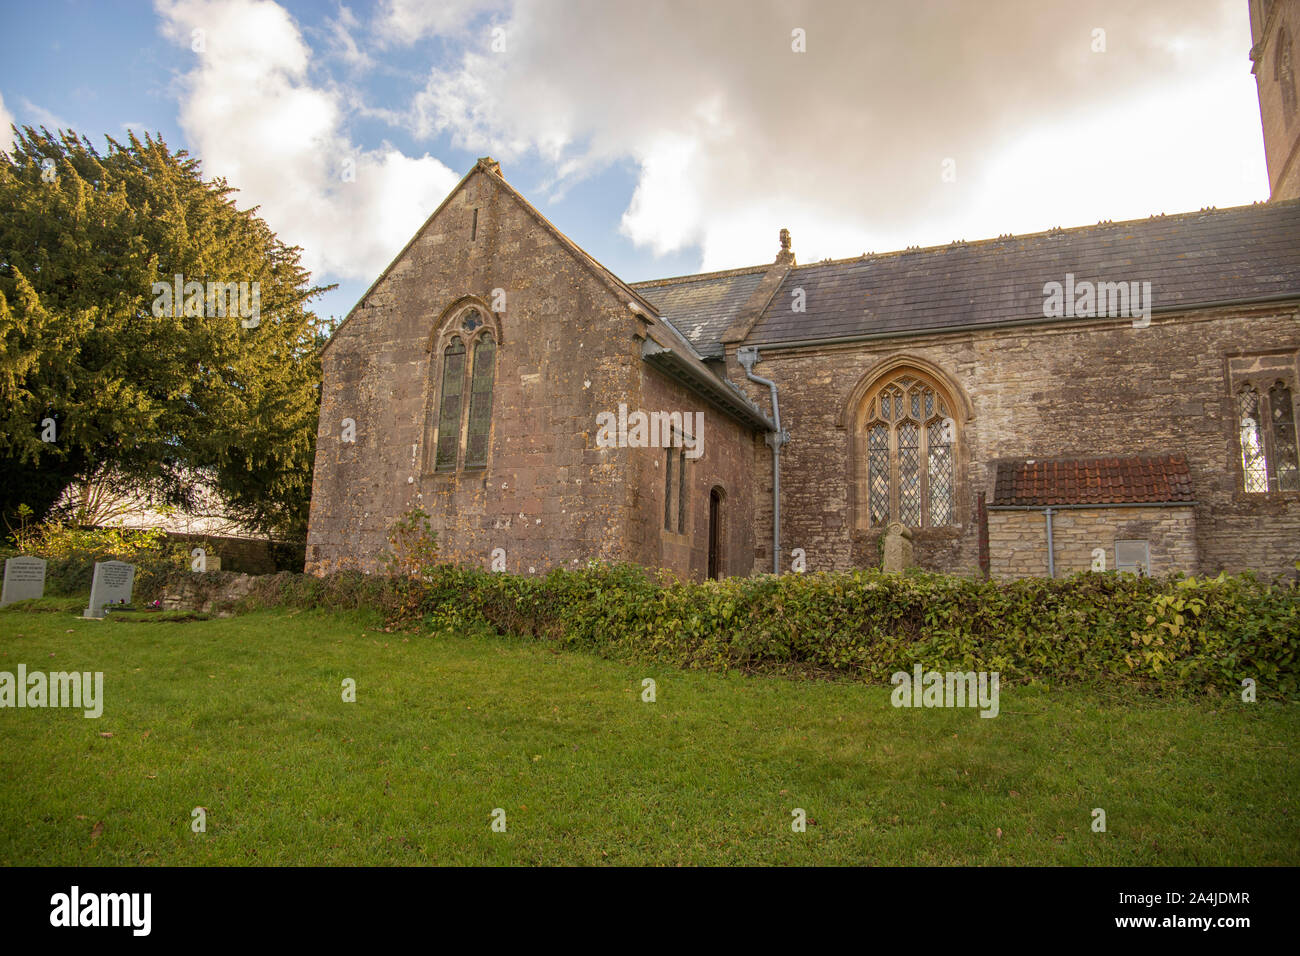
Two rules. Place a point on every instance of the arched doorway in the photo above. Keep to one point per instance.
(715, 532)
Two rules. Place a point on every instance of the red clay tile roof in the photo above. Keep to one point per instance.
(1099, 481)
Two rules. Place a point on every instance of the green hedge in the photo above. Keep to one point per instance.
(1179, 632)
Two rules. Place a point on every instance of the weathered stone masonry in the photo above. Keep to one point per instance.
(856, 348)
(1101, 388)
(568, 348)
(572, 342)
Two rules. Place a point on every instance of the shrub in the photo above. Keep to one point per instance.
(1176, 632)
(411, 559)
(71, 553)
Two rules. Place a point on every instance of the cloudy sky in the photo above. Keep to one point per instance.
(670, 137)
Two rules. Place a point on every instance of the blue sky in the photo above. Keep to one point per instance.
(671, 138)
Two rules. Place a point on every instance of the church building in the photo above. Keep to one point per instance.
(1121, 395)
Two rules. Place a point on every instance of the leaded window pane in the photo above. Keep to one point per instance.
(453, 385)
(1253, 466)
(480, 402)
(1282, 413)
(878, 473)
(909, 474)
(911, 456)
(940, 485)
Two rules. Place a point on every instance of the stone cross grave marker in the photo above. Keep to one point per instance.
(111, 585)
(24, 578)
(898, 547)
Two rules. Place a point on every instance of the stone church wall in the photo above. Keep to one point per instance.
(727, 463)
(1094, 389)
(548, 495)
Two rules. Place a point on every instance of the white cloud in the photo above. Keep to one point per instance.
(403, 22)
(735, 135)
(6, 134)
(342, 42)
(39, 116)
(252, 114)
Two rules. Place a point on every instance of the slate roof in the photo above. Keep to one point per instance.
(1093, 481)
(1192, 258)
(702, 307)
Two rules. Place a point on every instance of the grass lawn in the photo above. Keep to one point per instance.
(244, 717)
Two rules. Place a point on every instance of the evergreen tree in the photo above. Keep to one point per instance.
(141, 393)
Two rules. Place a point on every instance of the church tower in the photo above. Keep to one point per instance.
(1274, 25)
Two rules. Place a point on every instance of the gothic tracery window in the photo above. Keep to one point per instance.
(910, 454)
(461, 421)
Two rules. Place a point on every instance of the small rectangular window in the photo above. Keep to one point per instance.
(668, 489)
(1133, 556)
(681, 491)
(473, 229)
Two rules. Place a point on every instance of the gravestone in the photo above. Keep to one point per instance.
(898, 547)
(111, 585)
(24, 578)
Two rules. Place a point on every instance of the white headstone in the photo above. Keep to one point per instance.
(24, 578)
(111, 585)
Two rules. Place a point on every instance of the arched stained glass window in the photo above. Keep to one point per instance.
(459, 416)
(480, 402)
(910, 454)
(449, 405)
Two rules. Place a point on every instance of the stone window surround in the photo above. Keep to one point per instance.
(853, 419)
(677, 498)
(1268, 367)
(446, 328)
